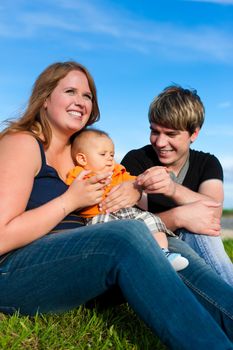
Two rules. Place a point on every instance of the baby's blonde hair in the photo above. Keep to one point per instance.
(80, 139)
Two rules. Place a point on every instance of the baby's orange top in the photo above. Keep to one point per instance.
(119, 175)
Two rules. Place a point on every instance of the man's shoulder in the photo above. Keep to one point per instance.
(138, 160)
(200, 155)
(205, 163)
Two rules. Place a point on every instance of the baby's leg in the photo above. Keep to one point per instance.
(161, 239)
(176, 260)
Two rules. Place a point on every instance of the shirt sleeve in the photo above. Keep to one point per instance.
(133, 163)
(212, 170)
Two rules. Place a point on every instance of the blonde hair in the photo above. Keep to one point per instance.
(177, 108)
(33, 120)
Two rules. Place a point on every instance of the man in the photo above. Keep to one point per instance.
(183, 186)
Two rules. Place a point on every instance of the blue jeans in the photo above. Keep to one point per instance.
(62, 271)
(211, 249)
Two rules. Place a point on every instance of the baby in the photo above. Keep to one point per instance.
(93, 150)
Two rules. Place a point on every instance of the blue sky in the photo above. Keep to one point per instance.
(133, 49)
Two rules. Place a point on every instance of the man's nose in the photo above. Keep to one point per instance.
(161, 140)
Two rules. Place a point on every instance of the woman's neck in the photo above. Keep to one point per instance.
(58, 155)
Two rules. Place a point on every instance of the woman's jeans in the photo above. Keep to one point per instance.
(211, 249)
(64, 270)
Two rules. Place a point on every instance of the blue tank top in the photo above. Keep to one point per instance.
(47, 186)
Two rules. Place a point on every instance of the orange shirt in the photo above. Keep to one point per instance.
(119, 175)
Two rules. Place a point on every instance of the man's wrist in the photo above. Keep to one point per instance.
(143, 201)
(173, 190)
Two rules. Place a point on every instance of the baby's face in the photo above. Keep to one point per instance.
(100, 154)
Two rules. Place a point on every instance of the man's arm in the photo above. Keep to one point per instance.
(208, 190)
(197, 211)
(199, 217)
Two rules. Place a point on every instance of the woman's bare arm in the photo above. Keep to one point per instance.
(20, 161)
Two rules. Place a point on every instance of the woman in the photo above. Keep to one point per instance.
(50, 263)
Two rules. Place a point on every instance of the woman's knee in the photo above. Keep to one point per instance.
(127, 235)
(130, 230)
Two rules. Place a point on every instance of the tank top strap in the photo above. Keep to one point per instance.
(43, 159)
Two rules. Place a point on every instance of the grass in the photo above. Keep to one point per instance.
(81, 329)
(228, 244)
(227, 212)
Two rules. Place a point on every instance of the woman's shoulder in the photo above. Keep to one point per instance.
(19, 146)
(19, 140)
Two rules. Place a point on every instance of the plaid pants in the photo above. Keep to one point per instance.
(153, 222)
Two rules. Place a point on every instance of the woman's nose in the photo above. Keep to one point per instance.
(79, 100)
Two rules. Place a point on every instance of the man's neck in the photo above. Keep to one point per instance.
(177, 167)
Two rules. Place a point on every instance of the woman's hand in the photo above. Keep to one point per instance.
(121, 196)
(157, 180)
(84, 191)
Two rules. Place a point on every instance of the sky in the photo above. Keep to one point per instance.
(133, 49)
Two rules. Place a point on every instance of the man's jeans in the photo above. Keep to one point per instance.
(211, 249)
(64, 270)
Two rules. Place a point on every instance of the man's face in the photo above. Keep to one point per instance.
(170, 145)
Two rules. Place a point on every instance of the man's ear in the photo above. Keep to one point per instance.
(81, 159)
(194, 135)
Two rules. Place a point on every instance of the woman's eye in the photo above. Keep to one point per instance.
(70, 92)
(88, 97)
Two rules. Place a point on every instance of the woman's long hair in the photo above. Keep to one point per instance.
(34, 120)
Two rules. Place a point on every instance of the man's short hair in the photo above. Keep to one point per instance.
(177, 108)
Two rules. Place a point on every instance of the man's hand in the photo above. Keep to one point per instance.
(200, 217)
(157, 180)
(124, 195)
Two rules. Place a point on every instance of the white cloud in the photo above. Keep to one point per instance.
(215, 130)
(224, 104)
(126, 31)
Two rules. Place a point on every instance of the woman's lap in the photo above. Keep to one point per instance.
(62, 271)
(48, 269)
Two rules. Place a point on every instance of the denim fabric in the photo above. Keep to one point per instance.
(61, 271)
(211, 249)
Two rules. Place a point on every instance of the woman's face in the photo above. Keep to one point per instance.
(69, 106)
